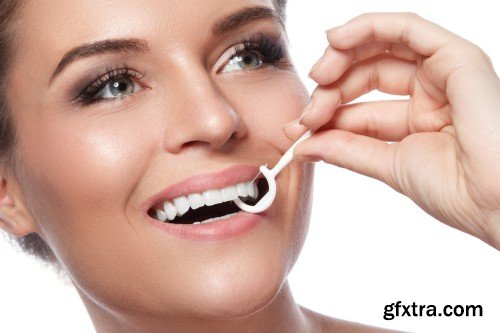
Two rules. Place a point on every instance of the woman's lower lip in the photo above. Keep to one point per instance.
(234, 226)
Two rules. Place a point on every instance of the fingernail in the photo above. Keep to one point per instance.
(293, 122)
(307, 158)
(315, 67)
(306, 111)
(334, 28)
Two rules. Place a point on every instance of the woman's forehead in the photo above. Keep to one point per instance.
(64, 22)
(49, 30)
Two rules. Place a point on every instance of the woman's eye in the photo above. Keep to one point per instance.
(243, 61)
(117, 87)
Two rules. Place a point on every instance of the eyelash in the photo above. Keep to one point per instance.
(88, 94)
(270, 50)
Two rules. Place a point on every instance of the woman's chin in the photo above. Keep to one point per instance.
(224, 291)
(237, 297)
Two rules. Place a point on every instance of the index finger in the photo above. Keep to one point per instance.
(417, 33)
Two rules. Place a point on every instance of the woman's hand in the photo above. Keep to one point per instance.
(445, 153)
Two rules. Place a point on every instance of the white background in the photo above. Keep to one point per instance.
(367, 246)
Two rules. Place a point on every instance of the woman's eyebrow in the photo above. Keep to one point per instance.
(244, 17)
(103, 46)
(223, 26)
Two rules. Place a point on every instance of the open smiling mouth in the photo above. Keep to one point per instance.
(209, 206)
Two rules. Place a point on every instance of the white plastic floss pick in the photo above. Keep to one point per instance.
(270, 175)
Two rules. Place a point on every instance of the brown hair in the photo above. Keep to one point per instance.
(280, 6)
(7, 134)
(31, 244)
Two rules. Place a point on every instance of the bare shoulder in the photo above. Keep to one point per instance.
(321, 323)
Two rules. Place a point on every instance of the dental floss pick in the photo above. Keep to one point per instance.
(270, 176)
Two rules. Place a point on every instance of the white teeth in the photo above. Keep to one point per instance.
(255, 190)
(170, 210)
(229, 193)
(252, 189)
(161, 215)
(212, 197)
(242, 190)
(218, 218)
(181, 205)
(196, 201)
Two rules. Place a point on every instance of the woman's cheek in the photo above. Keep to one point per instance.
(84, 171)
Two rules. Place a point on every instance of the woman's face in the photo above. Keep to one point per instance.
(151, 95)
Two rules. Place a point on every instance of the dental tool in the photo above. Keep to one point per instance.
(270, 176)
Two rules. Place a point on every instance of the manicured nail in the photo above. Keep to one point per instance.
(306, 111)
(334, 28)
(306, 158)
(315, 67)
(293, 122)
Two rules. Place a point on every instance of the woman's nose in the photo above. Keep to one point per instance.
(202, 115)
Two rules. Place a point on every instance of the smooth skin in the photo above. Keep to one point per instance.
(441, 147)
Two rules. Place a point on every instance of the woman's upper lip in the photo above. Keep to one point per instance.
(197, 184)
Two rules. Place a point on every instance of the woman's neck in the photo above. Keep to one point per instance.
(282, 314)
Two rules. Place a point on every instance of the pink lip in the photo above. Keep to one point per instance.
(237, 225)
(200, 183)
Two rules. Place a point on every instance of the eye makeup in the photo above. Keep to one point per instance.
(269, 49)
(88, 94)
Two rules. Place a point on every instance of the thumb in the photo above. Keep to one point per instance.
(364, 155)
